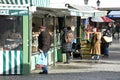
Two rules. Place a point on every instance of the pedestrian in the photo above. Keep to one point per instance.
(44, 45)
(117, 30)
(69, 36)
(110, 27)
(95, 45)
(105, 44)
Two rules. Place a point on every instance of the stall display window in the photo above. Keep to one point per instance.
(11, 33)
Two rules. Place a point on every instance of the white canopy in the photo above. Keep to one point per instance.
(90, 11)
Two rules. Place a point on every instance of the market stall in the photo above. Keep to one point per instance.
(16, 16)
(12, 38)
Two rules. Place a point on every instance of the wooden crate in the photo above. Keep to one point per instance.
(85, 49)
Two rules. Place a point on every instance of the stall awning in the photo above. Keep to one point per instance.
(14, 4)
(13, 9)
(18, 2)
(101, 19)
(88, 11)
(40, 3)
(114, 14)
(82, 8)
(58, 12)
(20, 7)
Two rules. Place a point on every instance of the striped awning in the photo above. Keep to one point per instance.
(16, 2)
(14, 7)
(38, 3)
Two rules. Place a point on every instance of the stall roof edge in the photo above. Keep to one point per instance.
(58, 12)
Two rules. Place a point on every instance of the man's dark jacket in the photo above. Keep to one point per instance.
(44, 41)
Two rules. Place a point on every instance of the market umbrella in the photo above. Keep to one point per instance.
(101, 19)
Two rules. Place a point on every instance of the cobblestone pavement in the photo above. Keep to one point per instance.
(104, 69)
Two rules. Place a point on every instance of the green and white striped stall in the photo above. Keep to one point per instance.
(11, 62)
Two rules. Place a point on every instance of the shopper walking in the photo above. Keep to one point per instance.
(44, 45)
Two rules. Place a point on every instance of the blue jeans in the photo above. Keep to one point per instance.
(106, 51)
(45, 68)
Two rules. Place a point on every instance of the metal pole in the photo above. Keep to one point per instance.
(54, 55)
(78, 28)
(64, 20)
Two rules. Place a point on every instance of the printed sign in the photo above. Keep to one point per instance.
(13, 12)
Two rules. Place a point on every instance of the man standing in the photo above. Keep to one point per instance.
(68, 43)
(44, 45)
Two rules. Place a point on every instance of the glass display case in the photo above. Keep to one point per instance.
(13, 44)
(11, 33)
